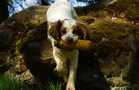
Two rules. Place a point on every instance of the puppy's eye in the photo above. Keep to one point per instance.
(75, 32)
(63, 31)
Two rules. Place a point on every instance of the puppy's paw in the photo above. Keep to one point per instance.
(61, 73)
(70, 87)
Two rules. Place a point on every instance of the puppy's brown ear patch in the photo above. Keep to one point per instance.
(54, 30)
(84, 29)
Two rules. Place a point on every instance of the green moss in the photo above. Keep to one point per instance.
(111, 30)
(21, 29)
(109, 25)
(97, 14)
(18, 42)
(38, 35)
(109, 47)
(108, 37)
(129, 7)
(86, 19)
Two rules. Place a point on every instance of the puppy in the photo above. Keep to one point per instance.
(63, 25)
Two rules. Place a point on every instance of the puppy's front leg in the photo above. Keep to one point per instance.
(61, 66)
(72, 71)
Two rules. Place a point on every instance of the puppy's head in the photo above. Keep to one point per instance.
(69, 31)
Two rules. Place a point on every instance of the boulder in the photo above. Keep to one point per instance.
(111, 64)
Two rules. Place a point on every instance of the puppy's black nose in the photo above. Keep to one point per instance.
(69, 39)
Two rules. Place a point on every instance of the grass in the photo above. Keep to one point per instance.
(53, 86)
(7, 84)
(11, 84)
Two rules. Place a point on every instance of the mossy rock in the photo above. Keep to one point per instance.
(87, 19)
(31, 20)
(114, 43)
(130, 9)
(109, 36)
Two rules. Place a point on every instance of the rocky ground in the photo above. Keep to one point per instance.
(26, 53)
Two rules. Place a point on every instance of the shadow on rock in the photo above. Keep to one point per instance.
(89, 75)
(40, 67)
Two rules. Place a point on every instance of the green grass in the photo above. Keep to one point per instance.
(53, 86)
(7, 84)
(11, 84)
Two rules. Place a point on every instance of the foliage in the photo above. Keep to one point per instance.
(53, 86)
(7, 84)
(12, 84)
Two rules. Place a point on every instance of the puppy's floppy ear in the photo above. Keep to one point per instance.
(84, 29)
(55, 29)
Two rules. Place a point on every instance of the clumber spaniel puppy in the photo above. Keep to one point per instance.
(63, 25)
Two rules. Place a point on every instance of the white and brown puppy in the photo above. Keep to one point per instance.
(63, 25)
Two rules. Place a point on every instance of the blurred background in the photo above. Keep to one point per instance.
(9, 7)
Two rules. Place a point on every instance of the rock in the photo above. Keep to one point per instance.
(28, 77)
(114, 18)
(122, 15)
(20, 67)
(4, 65)
(27, 54)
